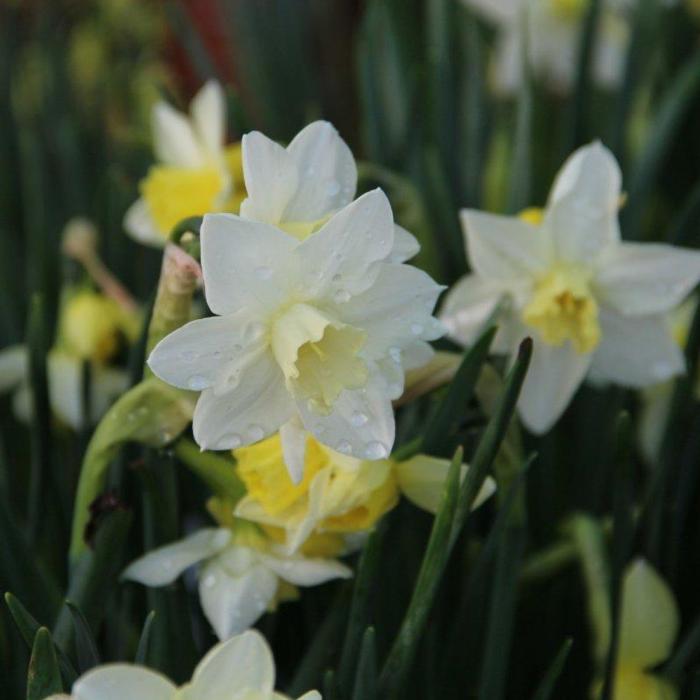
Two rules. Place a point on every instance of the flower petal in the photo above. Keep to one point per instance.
(327, 174)
(648, 619)
(646, 278)
(395, 311)
(206, 352)
(342, 257)
(232, 603)
(257, 407)
(345, 429)
(163, 565)
(293, 436)
(468, 306)
(174, 140)
(305, 571)
(208, 110)
(139, 224)
(406, 245)
(554, 375)
(635, 352)
(245, 264)
(582, 210)
(271, 178)
(119, 681)
(504, 248)
(243, 662)
(422, 480)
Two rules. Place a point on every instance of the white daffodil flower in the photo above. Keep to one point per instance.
(315, 334)
(553, 34)
(239, 574)
(241, 668)
(196, 173)
(65, 384)
(594, 305)
(300, 187)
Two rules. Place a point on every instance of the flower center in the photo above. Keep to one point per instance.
(301, 230)
(562, 308)
(318, 355)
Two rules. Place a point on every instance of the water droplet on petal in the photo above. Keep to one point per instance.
(416, 328)
(661, 370)
(395, 354)
(332, 188)
(337, 277)
(394, 390)
(358, 419)
(237, 348)
(263, 272)
(197, 382)
(341, 296)
(344, 447)
(230, 442)
(375, 450)
(188, 355)
(256, 432)
(209, 581)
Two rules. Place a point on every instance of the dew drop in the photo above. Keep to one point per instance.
(358, 419)
(416, 328)
(231, 441)
(256, 432)
(375, 450)
(197, 382)
(337, 277)
(341, 296)
(394, 390)
(395, 354)
(263, 272)
(332, 188)
(344, 447)
(237, 348)
(661, 370)
(210, 581)
(188, 355)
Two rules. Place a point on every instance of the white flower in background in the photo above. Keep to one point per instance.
(553, 34)
(240, 574)
(241, 668)
(594, 305)
(313, 334)
(196, 173)
(300, 187)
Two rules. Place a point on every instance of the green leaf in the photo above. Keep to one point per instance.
(366, 675)
(85, 645)
(685, 227)
(44, 678)
(453, 407)
(685, 652)
(142, 650)
(28, 628)
(545, 690)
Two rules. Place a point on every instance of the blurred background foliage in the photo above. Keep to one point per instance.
(407, 84)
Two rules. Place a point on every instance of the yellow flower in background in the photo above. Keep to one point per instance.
(195, 172)
(648, 629)
(338, 493)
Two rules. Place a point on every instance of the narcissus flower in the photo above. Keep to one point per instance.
(242, 667)
(315, 333)
(594, 305)
(338, 494)
(196, 173)
(241, 573)
(648, 629)
(553, 30)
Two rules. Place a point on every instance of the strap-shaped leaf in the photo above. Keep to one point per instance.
(44, 677)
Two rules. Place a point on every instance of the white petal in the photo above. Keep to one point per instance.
(416, 355)
(208, 110)
(120, 681)
(163, 565)
(271, 178)
(635, 352)
(342, 257)
(326, 170)
(372, 439)
(649, 618)
(174, 141)
(406, 245)
(206, 352)
(232, 603)
(646, 278)
(243, 662)
(14, 362)
(305, 571)
(245, 264)
(395, 311)
(468, 306)
(554, 375)
(257, 407)
(422, 480)
(139, 224)
(504, 247)
(293, 436)
(311, 695)
(582, 211)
